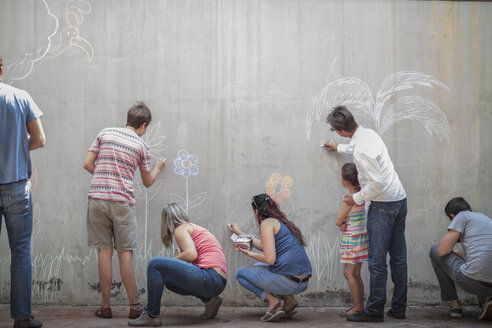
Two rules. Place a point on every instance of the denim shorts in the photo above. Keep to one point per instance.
(111, 224)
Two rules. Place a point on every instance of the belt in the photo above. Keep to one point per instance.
(288, 276)
(486, 284)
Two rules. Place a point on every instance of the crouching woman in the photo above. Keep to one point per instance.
(199, 267)
(284, 267)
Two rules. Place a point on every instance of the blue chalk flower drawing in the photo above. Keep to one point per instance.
(186, 165)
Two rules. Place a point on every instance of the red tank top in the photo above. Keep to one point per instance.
(210, 253)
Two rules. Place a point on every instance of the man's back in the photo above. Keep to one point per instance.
(374, 165)
(16, 109)
(476, 239)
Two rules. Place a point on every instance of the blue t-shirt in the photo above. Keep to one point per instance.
(16, 109)
(291, 255)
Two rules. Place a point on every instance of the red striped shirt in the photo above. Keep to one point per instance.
(120, 151)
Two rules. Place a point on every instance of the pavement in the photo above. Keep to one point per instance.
(83, 316)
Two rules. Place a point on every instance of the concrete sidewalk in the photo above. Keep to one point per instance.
(78, 317)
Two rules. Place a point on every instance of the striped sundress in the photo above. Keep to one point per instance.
(354, 243)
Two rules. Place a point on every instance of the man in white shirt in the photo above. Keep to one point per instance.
(472, 270)
(386, 217)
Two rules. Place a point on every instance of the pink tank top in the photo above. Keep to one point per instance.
(210, 253)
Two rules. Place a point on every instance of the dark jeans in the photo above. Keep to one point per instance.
(386, 230)
(448, 272)
(182, 278)
(16, 208)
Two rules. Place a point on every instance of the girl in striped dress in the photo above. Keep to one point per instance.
(354, 243)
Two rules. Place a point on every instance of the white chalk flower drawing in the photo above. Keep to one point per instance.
(186, 165)
(383, 113)
(156, 147)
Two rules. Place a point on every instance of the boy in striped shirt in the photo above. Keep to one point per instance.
(111, 217)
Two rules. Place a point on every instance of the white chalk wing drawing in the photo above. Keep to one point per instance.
(22, 68)
(383, 113)
(69, 36)
(186, 165)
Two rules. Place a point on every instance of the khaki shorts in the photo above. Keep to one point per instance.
(109, 220)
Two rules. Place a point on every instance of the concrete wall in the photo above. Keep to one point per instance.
(245, 87)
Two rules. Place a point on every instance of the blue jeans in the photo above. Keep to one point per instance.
(386, 230)
(182, 278)
(16, 208)
(448, 272)
(260, 280)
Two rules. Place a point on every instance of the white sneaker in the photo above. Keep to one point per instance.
(145, 321)
(486, 314)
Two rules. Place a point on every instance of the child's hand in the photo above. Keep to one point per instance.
(160, 163)
(342, 227)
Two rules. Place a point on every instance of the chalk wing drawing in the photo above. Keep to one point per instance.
(69, 36)
(22, 68)
(186, 165)
(357, 96)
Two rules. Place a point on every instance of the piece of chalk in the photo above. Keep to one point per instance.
(322, 145)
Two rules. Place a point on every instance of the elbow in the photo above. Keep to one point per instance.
(147, 184)
(270, 261)
(441, 251)
(41, 142)
(38, 143)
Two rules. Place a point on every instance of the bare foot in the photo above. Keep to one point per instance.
(290, 303)
(273, 303)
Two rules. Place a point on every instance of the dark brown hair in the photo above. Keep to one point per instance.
(456, 205)
(138, 114)
(349, 173)
(268, 208)
(340, 118)
(1, 61)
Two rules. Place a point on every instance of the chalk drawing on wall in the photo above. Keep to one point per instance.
(389, 107)
(69, 36)
(186, 165)
(22, 68)
(278, 187)
(157, 146)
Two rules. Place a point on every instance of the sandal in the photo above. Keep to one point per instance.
(269, 317)
(104, 313)
(351, 311)
(134, 314)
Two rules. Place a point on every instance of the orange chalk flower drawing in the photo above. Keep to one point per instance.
(277, 187)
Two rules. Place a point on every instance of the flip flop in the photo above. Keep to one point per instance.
(268, 317)
(290, 313)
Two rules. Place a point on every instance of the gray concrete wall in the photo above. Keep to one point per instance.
(245, 87)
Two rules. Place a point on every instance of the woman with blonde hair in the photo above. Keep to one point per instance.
(199, 267)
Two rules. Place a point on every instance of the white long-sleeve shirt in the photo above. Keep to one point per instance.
(376, 173)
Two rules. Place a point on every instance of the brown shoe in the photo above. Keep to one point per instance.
(134, 314)
(104, 313)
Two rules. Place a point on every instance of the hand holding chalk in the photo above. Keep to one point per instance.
(330, 145)
(161, 162)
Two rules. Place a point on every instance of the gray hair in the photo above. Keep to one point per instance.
(172, 217)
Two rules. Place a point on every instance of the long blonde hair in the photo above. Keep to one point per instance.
(172, 217)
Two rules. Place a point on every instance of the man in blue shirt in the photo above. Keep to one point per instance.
(20, 132)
